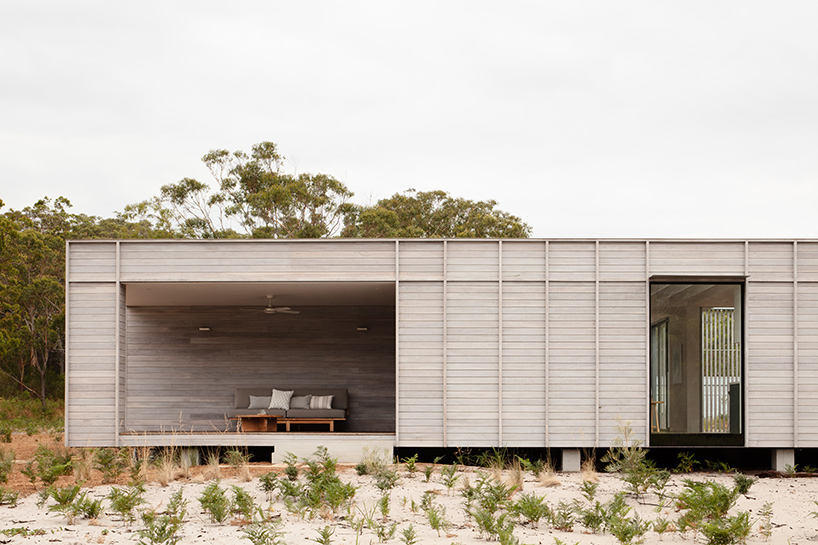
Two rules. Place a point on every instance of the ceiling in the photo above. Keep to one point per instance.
(255, 294)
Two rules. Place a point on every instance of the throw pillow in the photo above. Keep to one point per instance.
(321, 402)
(280, 399)
(259, 402)
(300, 402)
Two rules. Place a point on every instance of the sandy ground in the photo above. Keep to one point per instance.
(792, 502)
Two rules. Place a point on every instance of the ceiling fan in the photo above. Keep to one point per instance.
(270, 309)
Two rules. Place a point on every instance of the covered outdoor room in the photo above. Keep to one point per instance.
(188, 347)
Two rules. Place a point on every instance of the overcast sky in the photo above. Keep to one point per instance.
(584, 118)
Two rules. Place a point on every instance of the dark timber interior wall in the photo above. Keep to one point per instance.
(179, 378)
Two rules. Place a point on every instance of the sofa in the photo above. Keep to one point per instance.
(305, 405)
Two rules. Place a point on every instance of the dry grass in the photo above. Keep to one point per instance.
(588, 470)
(167, 466)
(212, 470)
(516, 475)
(548, 476)
(83, 463)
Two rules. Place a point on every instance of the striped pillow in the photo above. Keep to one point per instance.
(321, 402)
(280, 399)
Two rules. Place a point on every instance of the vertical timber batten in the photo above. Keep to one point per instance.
(66, 421)
(596, 343)
(745, 346)
(647, 403)
(546, 352)
(795, 343)
(500, 343)
(397, 342)
(118, 334)
(445, 345)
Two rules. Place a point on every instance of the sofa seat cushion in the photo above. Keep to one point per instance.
(232, 413)
(316, 413)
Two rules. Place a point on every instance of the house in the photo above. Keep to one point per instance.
(448, 343)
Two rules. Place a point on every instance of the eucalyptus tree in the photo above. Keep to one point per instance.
(433, 214)
(253, 197)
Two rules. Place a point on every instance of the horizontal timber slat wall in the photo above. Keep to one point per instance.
(90, 408)
(499, 343)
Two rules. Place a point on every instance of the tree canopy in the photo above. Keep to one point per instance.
(32, 286)
(254, 198)
(433, 214)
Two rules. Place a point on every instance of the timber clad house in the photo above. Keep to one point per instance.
(447, 343)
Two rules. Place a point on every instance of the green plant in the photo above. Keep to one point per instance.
(531, 508)
(124, 500)
(627, 457)
(159, 529)
(215, 503)
(687, 462)
(22, 531)
(594, 517)
(562, 517)
(408, 535)
(385, 532)
(765, 514)
(589, 490)
(267, 483)
(411, 465)
(428, 471)
(661, 525)
(450, 477)
(243, 503)
(6, 464)
(790, 470)
(47, 466)
(324, 535)
(263, 533)
(65, 502)
(743, 483)
(373, 461)
(240, 461)
(703, 502)
(8, 497)
(436, 515)
(383, 506)
(290, 468)
(386, 479)
(111, 462)
(727, 530)
(5, 434)
(629, 531)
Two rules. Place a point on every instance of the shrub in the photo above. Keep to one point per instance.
(47, 466)
(111, 462)
(125, 500)
(627, 457)
(6, 464)
(214, 502)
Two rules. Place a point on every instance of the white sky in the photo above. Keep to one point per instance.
(584, 118)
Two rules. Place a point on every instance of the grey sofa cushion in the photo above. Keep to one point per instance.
(316, 413)
(231, 413)
(300, 402)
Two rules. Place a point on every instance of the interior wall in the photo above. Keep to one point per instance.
(181, 378)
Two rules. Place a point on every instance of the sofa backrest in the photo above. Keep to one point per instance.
(340, 401)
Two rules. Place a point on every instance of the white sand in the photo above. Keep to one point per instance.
(792, 501)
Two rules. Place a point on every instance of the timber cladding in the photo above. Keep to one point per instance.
(180, 378)
(489, 343)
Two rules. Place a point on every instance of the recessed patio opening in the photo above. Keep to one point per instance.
(190, 346)
(696, 362)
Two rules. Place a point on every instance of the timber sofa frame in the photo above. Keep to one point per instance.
(338, 412)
